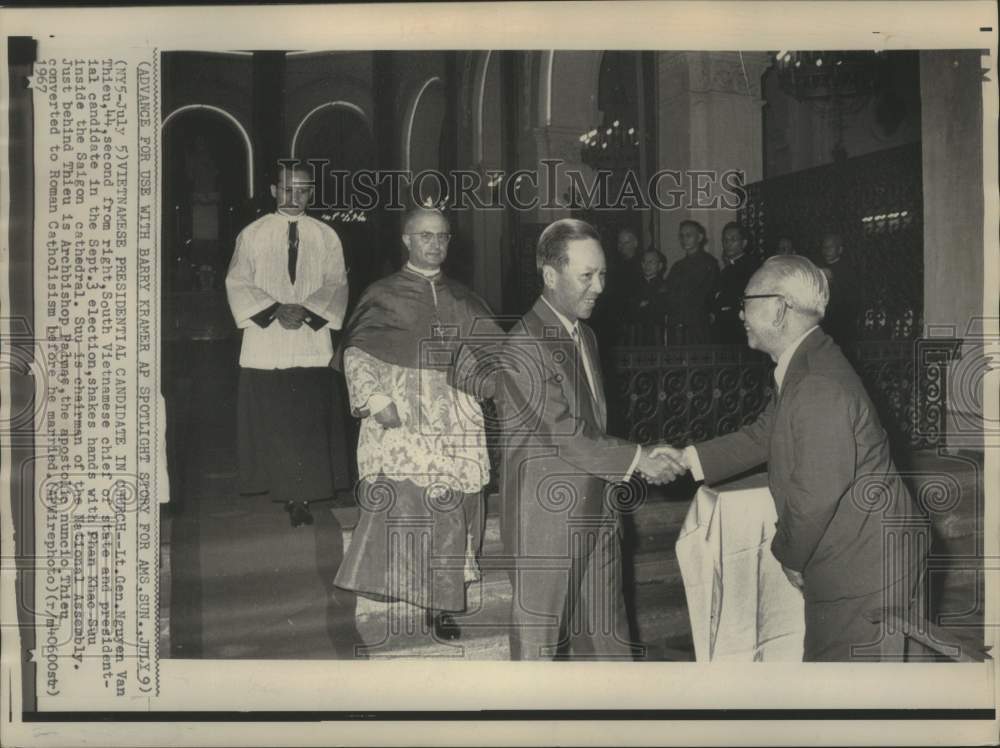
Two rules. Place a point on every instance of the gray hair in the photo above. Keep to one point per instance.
(803, 285)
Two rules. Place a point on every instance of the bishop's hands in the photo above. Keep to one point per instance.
(661, 464)
(388, 417)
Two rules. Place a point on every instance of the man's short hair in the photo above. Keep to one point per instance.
(292, 166)
(421, 210)
(803, 285)
(744, 232)
(551, 248)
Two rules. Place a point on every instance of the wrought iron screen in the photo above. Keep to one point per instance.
(875, 202)
(687, 394)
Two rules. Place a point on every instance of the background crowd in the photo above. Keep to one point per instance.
(696, 301)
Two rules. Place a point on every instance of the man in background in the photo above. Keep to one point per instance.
(287, 289)
(647, 302)
(690, 288)
(841, 321)
(739, 266)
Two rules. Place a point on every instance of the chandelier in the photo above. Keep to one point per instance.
(615, 145)
(830, 75)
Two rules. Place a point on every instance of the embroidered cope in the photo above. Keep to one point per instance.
(442, 439)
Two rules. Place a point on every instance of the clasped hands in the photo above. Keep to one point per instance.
(291, 316)
(661, 463)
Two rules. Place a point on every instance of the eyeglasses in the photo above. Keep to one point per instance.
(428, 236)
(743, 299)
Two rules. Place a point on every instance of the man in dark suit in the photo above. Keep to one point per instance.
(842, 507)
(739, 266)
(560, 524)
(690, 288)
(841, 321)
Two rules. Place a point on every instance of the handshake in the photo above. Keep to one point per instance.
(661, 463)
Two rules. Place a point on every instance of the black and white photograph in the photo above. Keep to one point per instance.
(668, 360)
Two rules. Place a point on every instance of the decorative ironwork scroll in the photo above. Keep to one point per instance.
(906, 380)
(684, 395)
(687, 394)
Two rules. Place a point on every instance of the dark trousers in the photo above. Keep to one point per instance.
(572, 608)
(285, 422)
(840, 631)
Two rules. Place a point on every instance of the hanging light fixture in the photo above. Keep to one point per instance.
(828, 75)
(609, 145)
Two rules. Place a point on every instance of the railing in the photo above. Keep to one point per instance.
(688, 394)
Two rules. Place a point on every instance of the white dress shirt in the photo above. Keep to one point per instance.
(573, 329)
(258, 278)
(691, 454)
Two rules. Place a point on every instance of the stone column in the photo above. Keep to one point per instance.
(709, 123)
(952, 88)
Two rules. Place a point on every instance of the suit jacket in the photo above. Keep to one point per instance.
(835, 487)
(690, 288)
(841, 320)
(732, 283)
(557, 458)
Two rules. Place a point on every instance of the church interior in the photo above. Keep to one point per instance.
(882, 149)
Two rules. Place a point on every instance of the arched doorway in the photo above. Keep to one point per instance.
(614, 143)
(339, 135)
(206, 192)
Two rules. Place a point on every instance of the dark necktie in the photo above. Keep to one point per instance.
(293, 249)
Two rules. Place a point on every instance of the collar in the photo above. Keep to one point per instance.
(786, 357)
(428, 274)
(570, 326)
(291, 219)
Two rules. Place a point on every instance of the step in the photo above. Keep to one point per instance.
(652, 528)
(654, 512)
(656, 621)
(272, 601)
(663, 617)
(655, 531)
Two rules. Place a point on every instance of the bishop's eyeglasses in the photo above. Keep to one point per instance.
(429, 236)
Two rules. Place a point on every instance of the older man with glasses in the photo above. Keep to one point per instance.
(415, 357)
(844, 513)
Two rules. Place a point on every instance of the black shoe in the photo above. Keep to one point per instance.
(443, 625)
(298, 513)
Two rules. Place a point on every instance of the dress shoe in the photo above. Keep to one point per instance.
(443, 625)
(298, 513)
